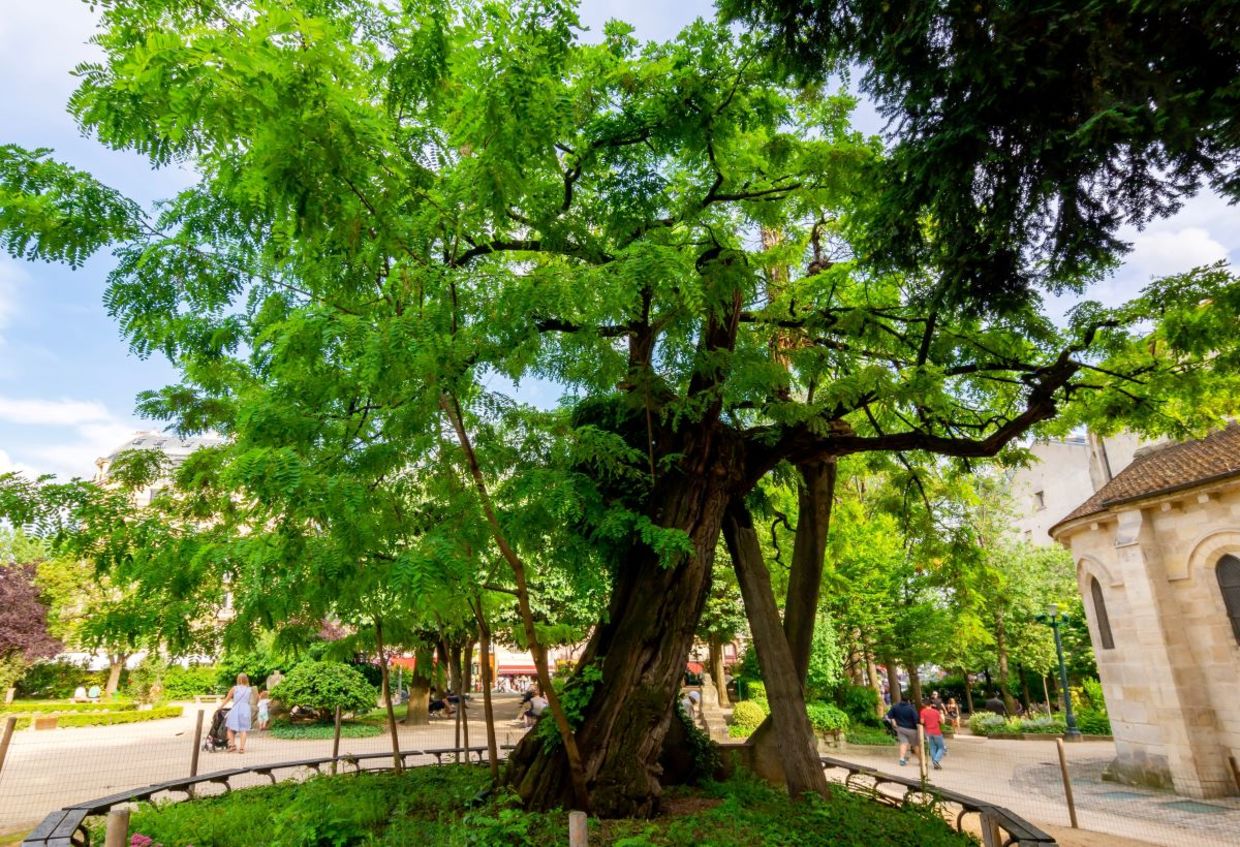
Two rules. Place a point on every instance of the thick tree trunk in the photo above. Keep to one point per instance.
(1001, 651)
(641, 648)
(914, 683)
(793, 736)
(417, 712)
(116, 664)
(815, 494)
(716, 671)
(893, 680)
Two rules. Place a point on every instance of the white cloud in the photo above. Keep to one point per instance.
(76, 457)
(51, 412)
(1156, 254)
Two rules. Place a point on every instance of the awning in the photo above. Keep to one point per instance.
(513, 670)
(694, 667)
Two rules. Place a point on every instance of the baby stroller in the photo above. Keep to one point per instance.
(217, 738)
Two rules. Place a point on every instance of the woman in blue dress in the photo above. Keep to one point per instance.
(238, 720)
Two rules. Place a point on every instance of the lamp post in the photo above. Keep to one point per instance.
(1053, 619)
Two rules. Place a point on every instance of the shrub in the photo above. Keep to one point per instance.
(107, 718)
(748, 714)
(987, 723)
(826, 718)
(323, 686)
(868, 735)
(186, 683)
(1040, 726)
(56, 680)
(146, 681)
(1088, 696)
(1093, 723)
(860, 703)
(756, 691)
(702, 750)
(26, 707)
(320, 731)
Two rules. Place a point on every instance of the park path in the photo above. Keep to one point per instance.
(1024, 776)
(48, 769)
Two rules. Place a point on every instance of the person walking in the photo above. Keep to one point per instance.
(995, 704)
(932, 720)
(904, 718)
(238, 720)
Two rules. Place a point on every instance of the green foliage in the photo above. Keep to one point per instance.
(146, 681)
(184, 683)
(59, 679)
(323, 686)
(62, 707)
(986, 723)
(434, 805)
(749, 714)
(1090, 722)
(756, 691)
(826, 718)
(575, 692)
(109, 718)
(320, 731)
(860, 703)
(1088, 696)
(826, 660)
(703, 751)
(869, 736)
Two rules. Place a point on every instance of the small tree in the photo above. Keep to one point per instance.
(24, 636)
(324, 686)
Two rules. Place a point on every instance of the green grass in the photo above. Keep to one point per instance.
(432, 805)
(319, 731)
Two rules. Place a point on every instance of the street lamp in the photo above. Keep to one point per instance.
(1053, 619)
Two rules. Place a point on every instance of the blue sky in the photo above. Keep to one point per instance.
(67, 379)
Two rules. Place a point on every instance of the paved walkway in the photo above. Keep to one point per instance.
(1024, 776)
(46, 770)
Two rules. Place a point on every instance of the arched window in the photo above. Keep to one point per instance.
(1100, 614)
(1229, 583)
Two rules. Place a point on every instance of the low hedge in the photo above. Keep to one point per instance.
(105, 718)
(748, 714)
(321, 731)
(826, 718)
(20, 707)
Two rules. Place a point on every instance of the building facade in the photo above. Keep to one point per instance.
(1157, 551)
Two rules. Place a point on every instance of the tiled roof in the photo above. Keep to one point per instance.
(1165, 469)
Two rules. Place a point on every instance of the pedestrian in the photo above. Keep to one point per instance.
(264, 710)
(903, 717)
(995, 704)
(953, 713)
(238, 720)
(932, 721)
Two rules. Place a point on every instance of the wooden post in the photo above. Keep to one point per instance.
(921, 752)
(1067, 781)
(991, 834)
(10, 723)
(118, 829)
(193, 759)
(578, 833)
(336, 742)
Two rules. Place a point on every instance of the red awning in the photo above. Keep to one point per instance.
(694, 667)
(513, 670)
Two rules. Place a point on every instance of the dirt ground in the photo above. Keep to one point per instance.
(1068, 837)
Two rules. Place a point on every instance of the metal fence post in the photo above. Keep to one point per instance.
(117, 834)
(336, 742)
(1067, 781)
(9, 724)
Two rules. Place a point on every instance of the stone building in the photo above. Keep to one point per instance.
(175, 449)
(1158, 562)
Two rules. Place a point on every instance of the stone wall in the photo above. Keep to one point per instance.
(1172, 681)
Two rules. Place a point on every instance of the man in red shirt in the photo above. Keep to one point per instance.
(932, 720)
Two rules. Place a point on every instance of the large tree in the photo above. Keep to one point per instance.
(24, 632)
(392, 207)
